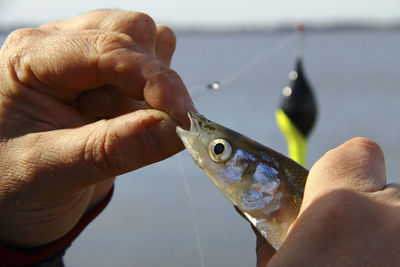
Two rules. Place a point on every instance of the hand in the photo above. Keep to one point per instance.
(349, 216)
(81, 101)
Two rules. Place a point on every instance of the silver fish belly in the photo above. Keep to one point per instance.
(265, 185)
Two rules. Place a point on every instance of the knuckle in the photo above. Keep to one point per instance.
(163, 75)
(359, 151)
(15, 52)
(101, 149)
(16, 44)
(143, 20)
(138, 25)
(21, 35)
(365, 145)
(94, 150)
(364, 153)
(160, 75)
(106, 42)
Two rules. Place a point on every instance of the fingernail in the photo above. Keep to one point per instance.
(162, 138)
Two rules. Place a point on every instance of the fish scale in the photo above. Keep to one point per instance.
(265, 185)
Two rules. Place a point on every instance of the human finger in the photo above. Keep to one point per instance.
(343, 219)
(98, 59)
(139, 26)
(105, 103)
(75, 158)
(165, 44)
(356, 165)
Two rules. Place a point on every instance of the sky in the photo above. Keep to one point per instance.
(209, 12)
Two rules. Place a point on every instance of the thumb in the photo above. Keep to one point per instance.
(75, 158)
(356, 165)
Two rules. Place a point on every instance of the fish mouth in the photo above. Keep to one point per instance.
(194, 130)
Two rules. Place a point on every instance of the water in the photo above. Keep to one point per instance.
(149, 221)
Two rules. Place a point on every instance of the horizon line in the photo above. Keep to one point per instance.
(287, 26)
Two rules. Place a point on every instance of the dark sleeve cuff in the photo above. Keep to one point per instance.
(11, 257)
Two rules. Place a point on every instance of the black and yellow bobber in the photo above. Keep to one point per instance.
(297, 112)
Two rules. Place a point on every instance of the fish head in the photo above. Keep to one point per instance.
(197, 137)
(264, 184)
(231, 160)
(209, 147)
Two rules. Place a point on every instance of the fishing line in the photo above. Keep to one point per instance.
(259, 58)
(194, 214)
(199, 90)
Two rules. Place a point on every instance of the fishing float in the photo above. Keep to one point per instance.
(297, 112)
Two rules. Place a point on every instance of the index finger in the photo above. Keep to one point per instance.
(82, 60)
(162, 89)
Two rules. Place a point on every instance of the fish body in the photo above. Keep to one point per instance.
(264, 184)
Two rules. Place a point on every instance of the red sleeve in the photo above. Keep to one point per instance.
(11, 257)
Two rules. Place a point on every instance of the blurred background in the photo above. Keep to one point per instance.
(351, 59)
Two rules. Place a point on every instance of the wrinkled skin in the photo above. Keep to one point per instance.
(81, 101)
(86, 99)
(349, 216)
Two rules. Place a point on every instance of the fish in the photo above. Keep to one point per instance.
(266, 186)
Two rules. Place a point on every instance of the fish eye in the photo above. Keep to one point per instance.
(220, 150)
